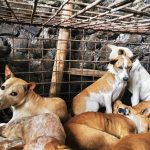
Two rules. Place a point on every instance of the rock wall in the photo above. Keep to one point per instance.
(30, 51)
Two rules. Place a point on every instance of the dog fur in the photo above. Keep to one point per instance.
(45, 143)
(139, 80)
(133, 142)
(105, 90)
(141, 121)
(25, 102)
(97, 131)
(140, 108)
(37, 132)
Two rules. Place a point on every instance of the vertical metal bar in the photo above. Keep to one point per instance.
(34, 9)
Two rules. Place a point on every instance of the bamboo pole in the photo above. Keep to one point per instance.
(62, 50)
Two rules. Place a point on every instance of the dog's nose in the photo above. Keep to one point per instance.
(125, 78)
(121, 110)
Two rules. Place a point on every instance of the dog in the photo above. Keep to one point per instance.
(136, 114)
(37, 132)
(139, 77)
(96, 130)
(133, 142)
(106, 89)
(140, 108)
(46, 143)
(25, 102)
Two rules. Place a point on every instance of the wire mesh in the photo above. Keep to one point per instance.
(32, 59)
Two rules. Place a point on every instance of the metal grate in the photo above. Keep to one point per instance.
(122, 15)
(90, 27)
(86, 60)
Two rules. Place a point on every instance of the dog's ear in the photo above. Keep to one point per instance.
(112, 47)
(30, 86)
(113, 61)
(8, 73)
(118, 102)
(121, 52)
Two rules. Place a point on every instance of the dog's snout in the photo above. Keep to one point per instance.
(120, 110)
(125, 78)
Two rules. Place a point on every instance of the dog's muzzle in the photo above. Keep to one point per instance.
(123, 111)
(125, 78)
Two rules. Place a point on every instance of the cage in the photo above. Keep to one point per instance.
(62, 45)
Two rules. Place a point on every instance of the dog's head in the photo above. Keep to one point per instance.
(115, 50)
(120, 108)
(120, 66)
(13, 90)
(141, 121)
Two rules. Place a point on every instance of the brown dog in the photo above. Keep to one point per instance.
(37, 132)
(97, 131)
(25, 102)
(135, 114)
(134, 142)
(140, 108)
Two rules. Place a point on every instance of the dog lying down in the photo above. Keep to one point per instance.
(97, 131)
(136, 114)
(25, 102)
(134, 142)
(40, 132)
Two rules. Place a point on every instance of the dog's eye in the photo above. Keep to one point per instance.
(13, 93)
(2, 87)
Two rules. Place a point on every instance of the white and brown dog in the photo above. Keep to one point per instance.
(139, 79)
(105, 90)
(25, 102)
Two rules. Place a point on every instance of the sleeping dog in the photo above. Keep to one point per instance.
(133, 142)
(39, 132)
(105, 90)
(96, 130)
(25, 102)
(136, 114)
(139, 80)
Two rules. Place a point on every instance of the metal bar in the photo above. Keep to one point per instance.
(34, 10)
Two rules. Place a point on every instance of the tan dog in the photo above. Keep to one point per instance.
(25, 102)
(97, 131)
(105, 90)
(140, 108)
(37, 132)
(135, 113)
(134, 142)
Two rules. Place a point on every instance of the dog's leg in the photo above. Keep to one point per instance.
(108, 105)
(135, 97)
(92, 105)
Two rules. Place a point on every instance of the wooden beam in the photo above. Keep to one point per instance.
(85, 72)
(62, 50)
